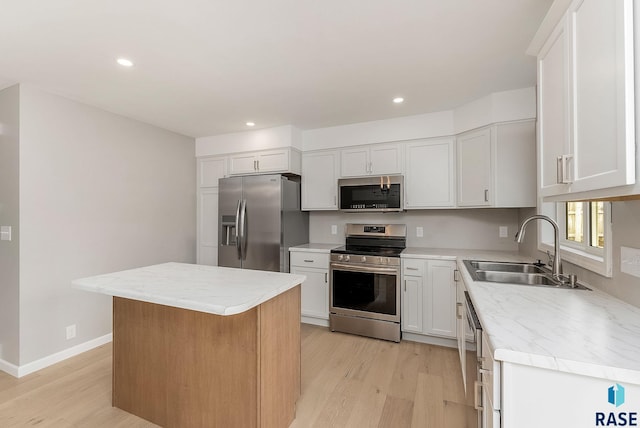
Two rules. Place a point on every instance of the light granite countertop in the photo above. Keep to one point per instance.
(589, 333)
(314, 248)
(211, 289)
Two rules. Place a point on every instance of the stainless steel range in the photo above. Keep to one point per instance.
(365, 281)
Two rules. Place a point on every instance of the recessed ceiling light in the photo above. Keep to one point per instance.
(251, 124)
(398, 100)
(124, 62)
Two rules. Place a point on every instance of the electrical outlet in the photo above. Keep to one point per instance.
(503, 232)
(419, 231)
(5, 233)
(71, 331)
(630, 261)
(334, 229)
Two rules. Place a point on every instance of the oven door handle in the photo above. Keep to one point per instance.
(368, 269)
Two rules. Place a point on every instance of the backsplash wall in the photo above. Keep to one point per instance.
(465, 228)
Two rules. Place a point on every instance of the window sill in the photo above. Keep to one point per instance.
(600, 265)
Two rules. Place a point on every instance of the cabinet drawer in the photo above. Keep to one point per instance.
(413, 267)
(319, 260)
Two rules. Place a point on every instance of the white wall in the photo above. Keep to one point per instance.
(466, 228)
(98, 193)
(626, 232)
(260, 139)
(380, 131)
(9, 216)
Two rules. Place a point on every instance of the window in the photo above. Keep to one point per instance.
(585, 231)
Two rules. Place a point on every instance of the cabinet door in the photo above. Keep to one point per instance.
(440, 299)
(355, 162)
(602, 94)
(208, 226)
(474, 168)
(412, 292)
(273, 161)
(243, 163)
(319, 181)
(430, 174)
(314, 298)
(553, 111)
(210, 170)
(385, 159)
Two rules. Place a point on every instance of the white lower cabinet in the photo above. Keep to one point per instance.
(314, 298)
(428, 297)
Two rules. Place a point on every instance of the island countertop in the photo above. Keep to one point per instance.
(210, 289)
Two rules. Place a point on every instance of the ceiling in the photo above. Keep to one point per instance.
(206, 67)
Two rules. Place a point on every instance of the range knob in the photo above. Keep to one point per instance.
(364, 259)
(340, 257)
(346, 258)
(383, 260)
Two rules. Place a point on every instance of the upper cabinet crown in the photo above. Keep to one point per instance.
(376, 159)
(586, 138)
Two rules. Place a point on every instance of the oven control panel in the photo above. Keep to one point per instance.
(369, 260)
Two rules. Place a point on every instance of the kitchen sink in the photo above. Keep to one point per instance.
(516, 273)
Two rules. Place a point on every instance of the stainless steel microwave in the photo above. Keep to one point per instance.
(371, 194)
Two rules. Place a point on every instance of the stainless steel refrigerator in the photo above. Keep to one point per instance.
(259, 219)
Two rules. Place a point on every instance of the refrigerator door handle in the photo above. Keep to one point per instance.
(237, 229)
(243, 229)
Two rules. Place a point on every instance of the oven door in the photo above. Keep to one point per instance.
(365, 291)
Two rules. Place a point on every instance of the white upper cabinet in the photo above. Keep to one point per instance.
(377, 159)
(586, 100)
(496, 166)
(430, 174)
(265, 162)
(320, 180)
(474, 168)
(210, 170)
(553, 111)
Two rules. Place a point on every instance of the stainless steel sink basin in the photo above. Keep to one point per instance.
(515, 273)
(507, 267)
(514, 278)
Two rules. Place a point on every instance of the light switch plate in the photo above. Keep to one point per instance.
(334, 229)
(5, 233)
(503, 231)
(419, 231)
(630, 261)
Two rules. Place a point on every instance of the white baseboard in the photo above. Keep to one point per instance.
(430, 340)
(7, 367)
(315, 321)
(34, 366)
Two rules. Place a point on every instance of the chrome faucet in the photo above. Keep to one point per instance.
(557, 266)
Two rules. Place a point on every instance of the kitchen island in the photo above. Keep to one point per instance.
(197, 346)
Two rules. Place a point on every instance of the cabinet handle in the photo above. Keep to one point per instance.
(477, 387)
(562, 170)
(257, 165)
(308, 261)
(254, 165)
(326, 277)
(458, 307)
(405, 285)
(456, 275)
(410, 268)
(486, 195)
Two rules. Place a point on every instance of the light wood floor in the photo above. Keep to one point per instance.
(347, 381)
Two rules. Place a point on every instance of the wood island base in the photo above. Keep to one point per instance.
(182, 368)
